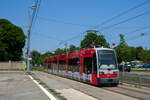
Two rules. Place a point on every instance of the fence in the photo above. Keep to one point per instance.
(136, 79)
(12, 65)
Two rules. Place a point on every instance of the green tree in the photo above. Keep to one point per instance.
(73, 48)
(124, 52)
(36, 58)
(13, 38)
(92, 37)
(122, 41)
(144, 55)
(3, 53)
(59, 51)
(46, 55)
(138, 50)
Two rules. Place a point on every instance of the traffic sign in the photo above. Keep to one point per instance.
(30, 57)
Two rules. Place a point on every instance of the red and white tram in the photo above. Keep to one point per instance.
(97, 66)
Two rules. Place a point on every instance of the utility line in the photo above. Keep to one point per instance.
(35, 12)
(130, 27)
(119, 15)
(126, 20)
(136, 30)
(146, 27)
(63, 22)
(134, 37)
(49, 37)
(123, 13)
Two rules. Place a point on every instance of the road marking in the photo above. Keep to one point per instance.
(51, 97)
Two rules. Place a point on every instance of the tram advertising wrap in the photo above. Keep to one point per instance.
(97, 66)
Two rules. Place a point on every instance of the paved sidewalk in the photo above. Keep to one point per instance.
(73, 90)
(18, 86)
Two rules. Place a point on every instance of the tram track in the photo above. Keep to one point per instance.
(129, 91)
(138, 94)
(105, 93)
(136, 91)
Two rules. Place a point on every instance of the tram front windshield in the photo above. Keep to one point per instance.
(106, 59)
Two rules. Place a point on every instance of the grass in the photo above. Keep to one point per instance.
(135, 70)
(37, 68)
(146, 80)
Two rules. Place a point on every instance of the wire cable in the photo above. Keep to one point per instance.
(146, 27)
(131, 18)
(35, 13)
(123, 13)
(63, 22)
(126, 20)
(111, 19)
(46, 36)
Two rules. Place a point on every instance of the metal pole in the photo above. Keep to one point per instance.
(28, 42)
(139, 77)
(66, 55)
(66, 47)
(123, 68)
(123, 72)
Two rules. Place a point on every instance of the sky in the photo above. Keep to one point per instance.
(60, 20)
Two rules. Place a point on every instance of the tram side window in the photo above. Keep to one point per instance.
(73, 65)
(52, 65)
(49, 65)
(76, 65)
(62, 65)
(87, 65)
(55, 65)
(69, 65)
(94, 64)
(45, 65)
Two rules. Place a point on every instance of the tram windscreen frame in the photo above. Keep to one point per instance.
(106, 59)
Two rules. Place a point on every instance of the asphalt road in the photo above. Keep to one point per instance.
(18, 86)
(58, 83)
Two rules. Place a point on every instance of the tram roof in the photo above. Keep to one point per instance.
(78, 54)
(104, 49)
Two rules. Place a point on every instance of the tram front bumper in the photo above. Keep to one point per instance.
(108, 80)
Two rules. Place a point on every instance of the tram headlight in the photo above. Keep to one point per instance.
(102, 73)
(117, 73)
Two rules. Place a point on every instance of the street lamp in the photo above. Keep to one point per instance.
(33, 6)
(29, 31)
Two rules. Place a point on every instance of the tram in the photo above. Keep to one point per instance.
(97, 66)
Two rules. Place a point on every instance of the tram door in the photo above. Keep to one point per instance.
(94, 64)
(94, 70)
(87, 69)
